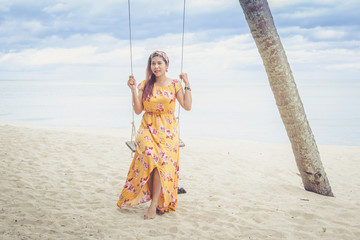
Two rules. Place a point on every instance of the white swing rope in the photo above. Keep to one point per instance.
(131, 66)
(181, 69)
(133, 130)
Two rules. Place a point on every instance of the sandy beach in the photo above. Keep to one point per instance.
(63, 183)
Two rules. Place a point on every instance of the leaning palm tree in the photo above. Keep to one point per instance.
(287, 98)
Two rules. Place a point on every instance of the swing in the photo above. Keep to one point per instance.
(131, 144)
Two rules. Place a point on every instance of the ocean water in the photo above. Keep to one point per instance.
(238, 110)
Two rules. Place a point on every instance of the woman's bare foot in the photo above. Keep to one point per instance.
(151, 213)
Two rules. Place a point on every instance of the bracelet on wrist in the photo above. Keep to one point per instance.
(187, 88)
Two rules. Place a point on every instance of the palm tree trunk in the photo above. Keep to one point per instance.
(287, 98)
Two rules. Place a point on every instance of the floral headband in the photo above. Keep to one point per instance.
(161, 54)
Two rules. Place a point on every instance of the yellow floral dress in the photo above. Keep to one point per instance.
(157, 146)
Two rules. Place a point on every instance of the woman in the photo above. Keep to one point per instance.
(154, 171)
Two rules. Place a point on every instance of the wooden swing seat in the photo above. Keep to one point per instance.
(132, 145)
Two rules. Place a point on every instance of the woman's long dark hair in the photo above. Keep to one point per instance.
(150, 77)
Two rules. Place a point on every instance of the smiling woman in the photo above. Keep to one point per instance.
(157, 141)
(154, 171)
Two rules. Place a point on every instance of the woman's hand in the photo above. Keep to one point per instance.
(184, 77)
(136, 97)
(184, 98)
(132, 83)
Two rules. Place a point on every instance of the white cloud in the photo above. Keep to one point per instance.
(193, 6)
(225, 58)
(287, 3)
(328, 33)
(306, 13)
(211, 5)
(318, 33)
(58, 7)
(309, 10)
(322, 59)
(19, 27)
(100, 40)
(208, 54)
(222, 55)
(86, 55)
(345, 66)
(85, 8)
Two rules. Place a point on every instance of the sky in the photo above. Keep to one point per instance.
(88, 40)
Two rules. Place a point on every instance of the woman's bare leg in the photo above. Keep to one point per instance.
(156, 188)
(150, 183)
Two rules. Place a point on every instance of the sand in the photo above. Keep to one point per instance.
(63, 183)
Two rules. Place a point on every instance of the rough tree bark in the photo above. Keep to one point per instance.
(263, 30)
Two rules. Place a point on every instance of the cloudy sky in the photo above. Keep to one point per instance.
(89, 40)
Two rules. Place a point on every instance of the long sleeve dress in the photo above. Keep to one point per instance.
(157, 146)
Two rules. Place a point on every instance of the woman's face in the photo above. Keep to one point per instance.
(158, 66)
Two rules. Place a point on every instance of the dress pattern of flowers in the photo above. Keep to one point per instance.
(157, 146)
